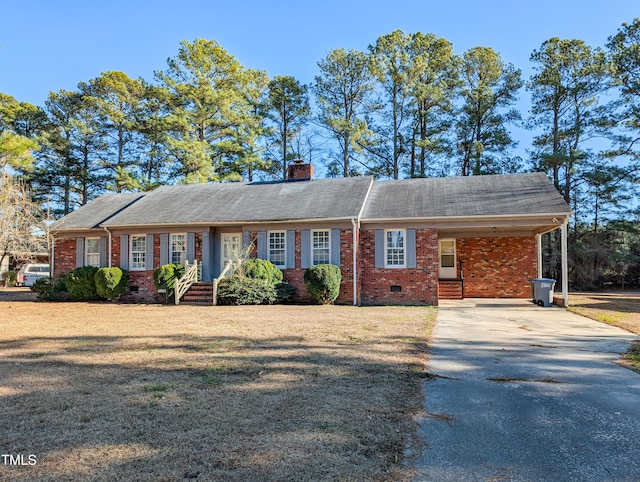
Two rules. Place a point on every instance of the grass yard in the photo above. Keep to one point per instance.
(618, 309)
(145, 392)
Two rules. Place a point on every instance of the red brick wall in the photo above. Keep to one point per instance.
(115, 250)
(64, 256)
(498, 267)
(419, 286)
(493, 268)
(144, 279)
(296, 276)
(65, 261)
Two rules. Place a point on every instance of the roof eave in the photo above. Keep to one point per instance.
(231, 223)
(423, 219)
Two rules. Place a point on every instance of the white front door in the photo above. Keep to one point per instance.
(447, 257)
(231, 246)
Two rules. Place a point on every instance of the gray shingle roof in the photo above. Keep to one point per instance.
(341, 198)
(240, 202)
(499, 195)
(93, 214)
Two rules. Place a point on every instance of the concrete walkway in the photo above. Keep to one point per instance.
(527, 393)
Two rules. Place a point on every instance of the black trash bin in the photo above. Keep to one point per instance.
(542, 291)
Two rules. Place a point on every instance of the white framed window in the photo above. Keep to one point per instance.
(321, 246)
(395, 253)
(178, 248)
(92, 252)
(138, 245)
(278, 248)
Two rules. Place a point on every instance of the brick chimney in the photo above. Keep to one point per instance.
(298, 171)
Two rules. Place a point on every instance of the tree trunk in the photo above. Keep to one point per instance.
(120, 156)
(284, 148)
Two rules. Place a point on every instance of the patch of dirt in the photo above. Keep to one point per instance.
(99, 391)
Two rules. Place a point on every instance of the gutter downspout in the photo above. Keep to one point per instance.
(52, 260)
(355, 226)
(565, 263)
(539, 254)
(355, 223)
(109, 249)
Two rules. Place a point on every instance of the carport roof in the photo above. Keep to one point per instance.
(495, 195)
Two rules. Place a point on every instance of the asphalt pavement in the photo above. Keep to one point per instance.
(524, 393)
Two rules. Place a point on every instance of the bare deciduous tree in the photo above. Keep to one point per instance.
(22, 228)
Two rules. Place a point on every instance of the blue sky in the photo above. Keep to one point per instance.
(50, 45)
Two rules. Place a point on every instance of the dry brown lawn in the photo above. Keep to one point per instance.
(618, 309)
(147, 392)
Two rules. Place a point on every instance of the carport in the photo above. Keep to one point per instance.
(509, 226)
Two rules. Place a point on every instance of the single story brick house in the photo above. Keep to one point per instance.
(411, 241)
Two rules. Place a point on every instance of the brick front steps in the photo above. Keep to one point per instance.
(450, 289)
(199, 294)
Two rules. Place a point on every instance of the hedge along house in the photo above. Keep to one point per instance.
(396, 242)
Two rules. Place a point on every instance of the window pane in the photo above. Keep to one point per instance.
(178, 248)
(447, 261)
(92, 252)
(395, 247)
(138, 247)
(320, 250)
(447, 247)
(277, 248)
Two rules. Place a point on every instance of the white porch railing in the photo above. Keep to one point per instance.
(190, 276)
(226, 269)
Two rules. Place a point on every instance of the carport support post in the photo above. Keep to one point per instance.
(539, 247)
(565, 265)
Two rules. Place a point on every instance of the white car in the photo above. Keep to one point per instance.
(30, 273)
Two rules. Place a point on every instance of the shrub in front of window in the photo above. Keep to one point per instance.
(165, 278)
(239, 290)
(323, 282)
(111, 283)
(81, 284)
(285, 292)
(262, 269)
(48, 289)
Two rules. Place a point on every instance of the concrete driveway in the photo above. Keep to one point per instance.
(527, 393)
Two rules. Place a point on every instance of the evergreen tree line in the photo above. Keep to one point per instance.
(408, 106)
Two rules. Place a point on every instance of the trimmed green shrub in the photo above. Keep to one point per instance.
(165, 278)
(323, 282)
(10, 278)
(262, 269)
(81, 283)
(236, 290)
(111, 283)
(285, 292)
(48, 289)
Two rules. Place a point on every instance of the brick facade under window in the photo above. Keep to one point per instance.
(295, 276)
(493, 267)
(141, 287)
(400, 286)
